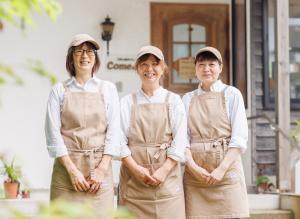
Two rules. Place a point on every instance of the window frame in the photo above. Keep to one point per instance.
(268, 101)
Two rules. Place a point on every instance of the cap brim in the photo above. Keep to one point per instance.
(79, 42)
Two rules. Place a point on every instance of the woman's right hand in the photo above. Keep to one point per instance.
(197, 171)
(78, 181)
(141, 173)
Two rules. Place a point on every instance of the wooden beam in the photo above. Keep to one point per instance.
(283, 93)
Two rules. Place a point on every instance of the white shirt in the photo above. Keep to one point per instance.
(177, 115)
(55, 143)
(235, 109)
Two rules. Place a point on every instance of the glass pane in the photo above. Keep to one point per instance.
(294, 36)
(294, 30)
(196, 47)
(271, 29)
(198, 33)
(180, 32)
(180, 50)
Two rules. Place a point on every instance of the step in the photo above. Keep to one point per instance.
(270, 214)
(264, 201)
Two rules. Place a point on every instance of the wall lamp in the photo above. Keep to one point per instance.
(107, 30)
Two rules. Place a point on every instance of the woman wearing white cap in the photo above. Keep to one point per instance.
(82, 124)
(153, 141)
(214, 180)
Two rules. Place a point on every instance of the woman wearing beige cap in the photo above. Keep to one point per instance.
(214, 181)
(82, 124)
(153, 141)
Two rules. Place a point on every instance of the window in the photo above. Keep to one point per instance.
(294, 53)
(187, 40)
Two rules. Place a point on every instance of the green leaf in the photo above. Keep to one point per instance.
(262, 179)
(10, 73)
(37, 67)
(19, 12)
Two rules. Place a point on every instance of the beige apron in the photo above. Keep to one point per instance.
(210, 132)
(84, 129)
(149, 137)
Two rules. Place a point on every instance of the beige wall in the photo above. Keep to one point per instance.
(23, 108)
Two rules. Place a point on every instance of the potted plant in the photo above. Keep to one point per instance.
(25, 193)
(262, 183)
(11, 184)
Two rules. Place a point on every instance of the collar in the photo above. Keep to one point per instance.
(73, 80)
(217, 86)
(156, 92)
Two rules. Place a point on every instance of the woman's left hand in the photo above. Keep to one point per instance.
(99, 175)
(216, 175)
(96, 180)
(160, 175)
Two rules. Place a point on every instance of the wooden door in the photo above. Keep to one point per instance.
(182, 29)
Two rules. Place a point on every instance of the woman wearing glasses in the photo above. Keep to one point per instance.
(153, 143)
(214, 180)
(82, 124)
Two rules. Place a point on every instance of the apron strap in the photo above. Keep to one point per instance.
(167, 97)
(162, 147)
(100, 86)
(66, 87)
(91, 154)
(134, 99)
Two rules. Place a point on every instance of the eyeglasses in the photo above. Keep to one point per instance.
(89, 52)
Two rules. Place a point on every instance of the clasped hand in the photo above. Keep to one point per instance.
(159, 176)
(209, 178)
(88, 184)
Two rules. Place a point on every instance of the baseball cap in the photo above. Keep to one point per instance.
(81, 38)
(211, 50)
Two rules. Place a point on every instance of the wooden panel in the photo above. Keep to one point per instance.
(264, 130)
(239, 63)
(259, 102)
(266, 157)
(258, 61)
(283, 85)
(253, 98)
(266, 143)
(259, 88)
(259, 77)
(268, 169)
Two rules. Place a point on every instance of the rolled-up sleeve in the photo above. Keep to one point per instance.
(112, 141)
(186, 99)
(238, 120)
(54, 140)
(125, 122)
(179, 129)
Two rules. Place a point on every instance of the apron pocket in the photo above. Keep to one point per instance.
(138, 190)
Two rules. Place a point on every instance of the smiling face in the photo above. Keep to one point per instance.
(208, 69)
(84, 58)
(150, 69)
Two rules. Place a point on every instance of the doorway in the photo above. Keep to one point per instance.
(180, 30)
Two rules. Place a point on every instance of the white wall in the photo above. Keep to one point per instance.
(23, 108)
